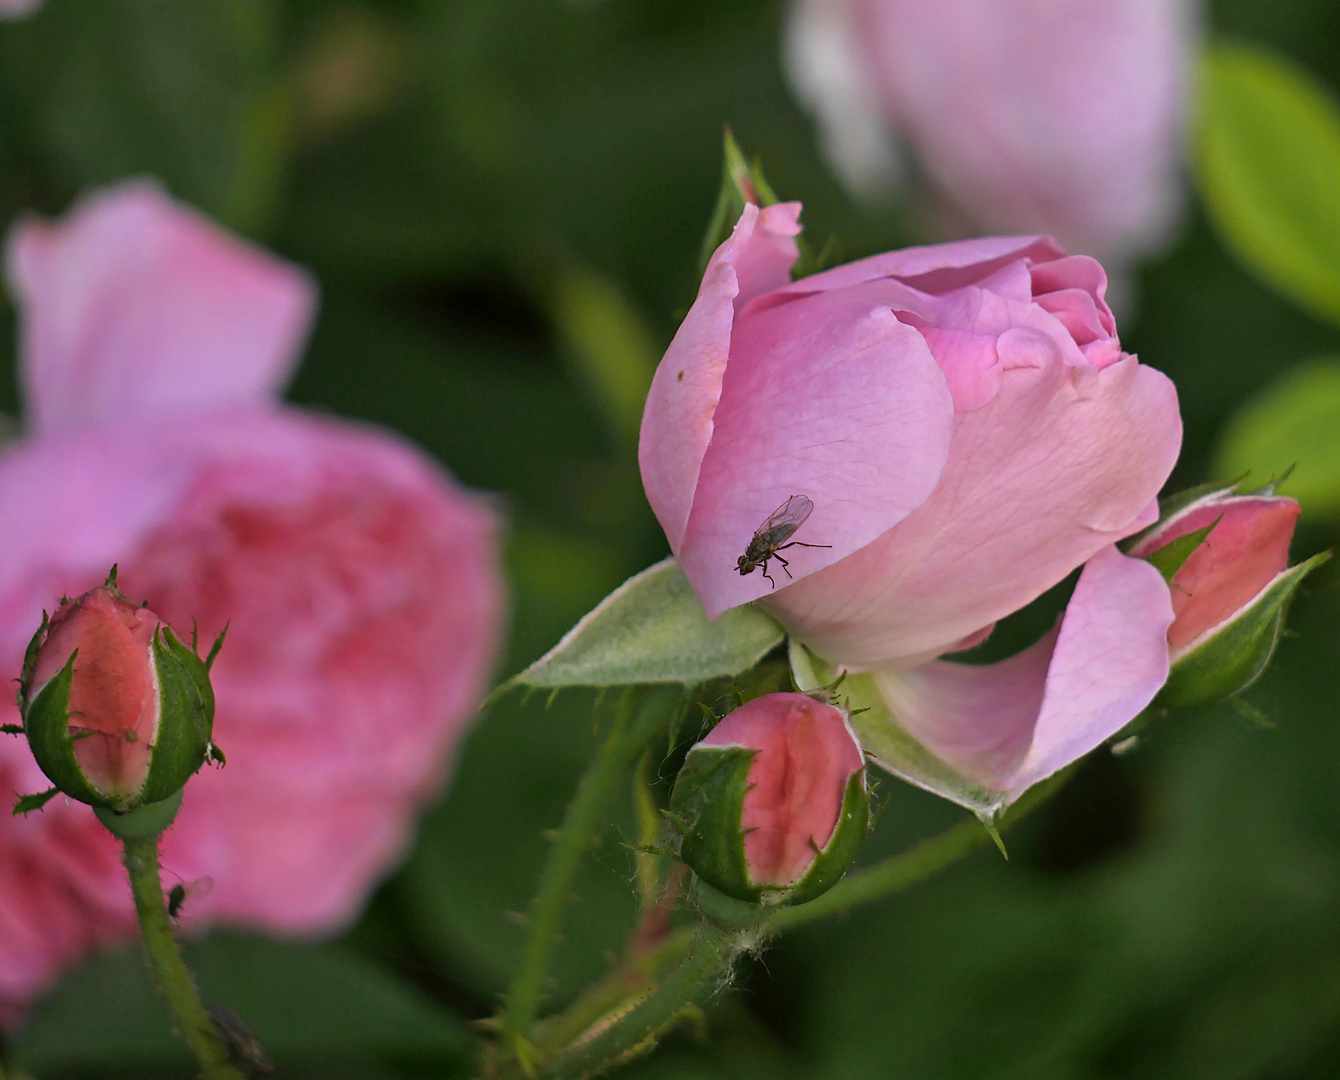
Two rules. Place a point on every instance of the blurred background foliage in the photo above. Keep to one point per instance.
(503, 203)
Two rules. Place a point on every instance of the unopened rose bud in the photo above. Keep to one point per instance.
(1226, 558)
(117, 710)
(773, 805)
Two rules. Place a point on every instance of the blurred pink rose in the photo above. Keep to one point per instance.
(361, 583)
(970, 432)
(1053, 116)
(17, 9)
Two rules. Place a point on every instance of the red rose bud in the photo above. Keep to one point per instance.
(1226, 559)
(117, 710)
(772, 805)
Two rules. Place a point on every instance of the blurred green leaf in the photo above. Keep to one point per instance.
(652, 629)
(1268, 157)
(190, 93)
(316, 1009)
(612, 350)
(475, 868)
(1294, 423)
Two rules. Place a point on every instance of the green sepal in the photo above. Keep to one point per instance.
(144, 821)
(1174, 505)
(832, 862)
(47, 722)
(26, 804)
(708, 803)
(185, 717)
(1232, 656)
(12, 729)
(708, 799)
(30, 663)
(213, 649)
(741, 183)
(1170, 558)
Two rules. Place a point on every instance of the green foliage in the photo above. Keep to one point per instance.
(1294, 424)
(318, 1010)
(1268, 158)
(189, 93)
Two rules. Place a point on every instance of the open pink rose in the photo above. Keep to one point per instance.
(360, 582)
(1056, 116)
(969, 432)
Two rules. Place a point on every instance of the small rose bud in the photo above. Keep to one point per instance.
(117, 710)
(1226, 558)
(773, 805)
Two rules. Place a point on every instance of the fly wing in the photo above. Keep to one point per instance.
(782, 523)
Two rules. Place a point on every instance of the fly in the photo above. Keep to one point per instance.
(771, 537)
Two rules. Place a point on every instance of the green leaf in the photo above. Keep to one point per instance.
(611, 349)
(1268, 159)
(317, 1011)
(1235, 654)
(652, 629)
(189, 93)
(1294, 422)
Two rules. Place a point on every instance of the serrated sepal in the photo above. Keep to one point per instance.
(185, 717)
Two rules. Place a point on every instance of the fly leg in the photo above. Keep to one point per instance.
(801, 543)
(785, 565)
(772, 583)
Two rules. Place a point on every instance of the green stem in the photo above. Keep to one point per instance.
(169, 969)
(703, 971)
(629, 734)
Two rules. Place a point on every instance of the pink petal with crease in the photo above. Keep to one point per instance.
(1061, 464)
(827, 396)
(1011, 724)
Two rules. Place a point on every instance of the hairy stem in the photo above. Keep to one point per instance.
(636, 988)
(629, 733)
(169, 969)
(700, 974)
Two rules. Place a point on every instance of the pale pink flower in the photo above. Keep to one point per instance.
(970, 432)
(1051, 116)
(360, 582)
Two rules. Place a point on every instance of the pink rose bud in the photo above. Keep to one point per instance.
(1226, 557)
(117, 710)
(773, 804)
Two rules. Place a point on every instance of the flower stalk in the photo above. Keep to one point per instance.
(169, 968)
(629, 734)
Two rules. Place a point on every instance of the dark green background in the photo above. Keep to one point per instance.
(1176, 912)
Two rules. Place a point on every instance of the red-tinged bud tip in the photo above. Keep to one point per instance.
(773, 803)
(1246, 548)
(804, 755)
(117, 710)
(113, 703)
